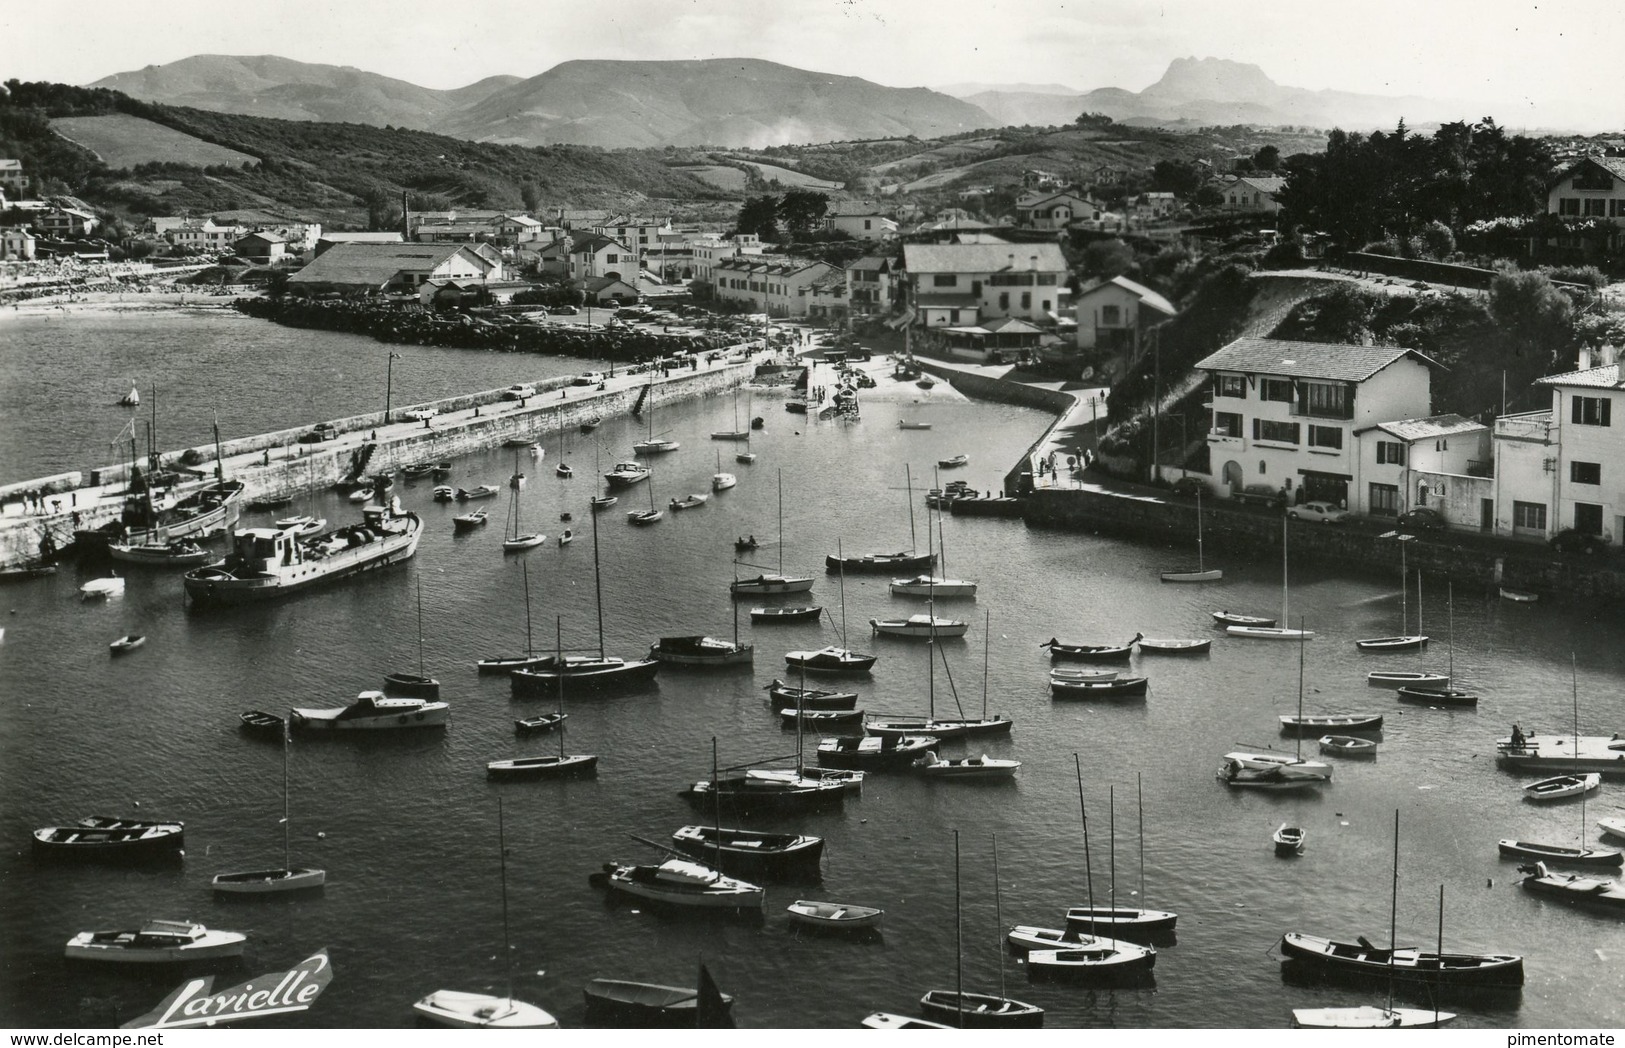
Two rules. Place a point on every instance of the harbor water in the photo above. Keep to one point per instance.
(406, 823)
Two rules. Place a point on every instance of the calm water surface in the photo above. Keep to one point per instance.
(406, 825)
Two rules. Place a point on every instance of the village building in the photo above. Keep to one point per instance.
(826, 301)
(1114, 318)
(380, 269)
(771, 284)
(66, 222)
(12, 179)
(635, 231)
(1442, 463)
(1253, 193)
(963, 285)
(266, 249)
(1286, 415)
(1055, 211)
(610, 291)
(860, 221)
(1592, 188)
(709, 249)
(593, 255)
(873, 284)
(17, 245)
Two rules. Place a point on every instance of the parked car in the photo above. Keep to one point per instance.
(1325, 512)
(421, 414)
(1571, 541)
(1422, 519)
(1190, 487)
(318, 433)
(519, 391)
(565, 311)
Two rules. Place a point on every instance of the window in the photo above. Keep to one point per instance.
(1588, 518)
(1326, 437)
(1595, 207)
(1384, 500)
(1026, 300)
(1569, 206)
(1046, 280)
(1590, 411)
(1004, 301)
(1226, 424)
(1283, 432)
(1390, 452)
(1111, 316)
(611, 260)
(866, 224)
(1230, 386)
(1616, 209)
(1279, 389)
(1322, 400)
(1529, 516)
(944, 280)
(1585, 472)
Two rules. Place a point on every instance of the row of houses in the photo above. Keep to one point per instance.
(1353, 425)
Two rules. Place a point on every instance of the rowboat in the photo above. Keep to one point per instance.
(1024, 937)
(177, 553)
(127, 643)
(469, 521)
(1100, 960)
(833, 719)
(443, 493)
(965, 768)
(1166, 646)
(655, 446)
(893, 1021)
(782, 695)
(955, 461)
(980, 1011)
(541, 722)
(619, 1002)
(941, 727)
(1061, 688)
(100, 837)
(1613, 826)
(1369, 1017)
(830, 660)
(874, 752)
(1347, 746)
(1233, 773)
(483, 491)
(361, 494)
(1288, 840)
(643, 516)
(1559, 786)
(588, 425)
(1436, 696)
(904, 423)
(834, 915)
(1295, 724)
(549, 766)
(1062, 673)
(752, 853)
(1225, 618)
(101, 589)
(919, 626)
(482, 1011)
(1519, 596)
(763, 585)
(259, 720)
(1574, 890)
(1558, 854)
(1091, 652)
(1405, 964)
(603, 501)
(156, 942)
(1380, 644)
(1395, 679)
(786, 615)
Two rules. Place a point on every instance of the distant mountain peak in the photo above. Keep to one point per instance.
(1194, 79)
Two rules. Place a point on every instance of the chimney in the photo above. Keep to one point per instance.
(1032, 263)
(1610, 353)
(1011, 264)
(406, 219)
(1584, 363)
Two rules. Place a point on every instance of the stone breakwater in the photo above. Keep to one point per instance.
(465, 331)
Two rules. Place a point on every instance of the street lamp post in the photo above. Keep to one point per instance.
(389, 384)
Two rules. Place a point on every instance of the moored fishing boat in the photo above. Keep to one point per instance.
(1588, 892)
(470, 521)
(831, 659)
(1100, 961)
(683, 883)
(752, 853)
(875, 753)
(266, 564)
(953, 462)
(1560, 855)
(700, 651)
(919, 626)
(834, 720)
(879, 563)
(764, 792)
(1436, 696)
(625, 474)
(1116, 688)
(482, 491)
(1369, 1017)
(156, 942)
(1398, 678)
(1171, 646)
(1226, 618)
(1289, 766)
(963, 769)
(546, 766)
(767, 584)
(170, 554)
(692, 501)
(781, 695)
(1560, 786)
(1315, 724)
(210, 509)
(1289, 840)
(932, 586)
(1347, 746)
(259, 720)
(103, 838)
(373, 711)
(785, 615)
(1091, 652)
(1403, 964)
(840, 916)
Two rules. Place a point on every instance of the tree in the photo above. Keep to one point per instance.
(1533, 316)
(802, 210)
(1093, 121)
(531, 194)
(1107, 259)
(1178, 177)
(759, 215)
(1267, 158)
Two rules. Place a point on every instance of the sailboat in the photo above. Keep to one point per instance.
(832, 659)
(1127, 922)
(926, 627)
(747, 457)
(1090, 958)
(509, 663)
(654, 445)
(1276, 771)
(886, 563)
(700, 651)
(750, 790)
(585, 670)
(1260, 632)
(548, 766)
(977, 1011)
(1371, 1017)
(930, 584)
(286, 878)
(645, 516)
(482, 1010)
(732, 434)
(775, 583)
(516, 539)
(417, 685)
(1409, 678)
(1202, 573)
(131, 399)
(1557, 854)
(562, 469)
(1404, 641)
(949, 727)
(749, 853)
(721, 481)
(1441, 693)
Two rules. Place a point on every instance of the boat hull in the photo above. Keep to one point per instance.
(622, 1003)
(269, 882)
(875, 753)
(546, 767)
(980, 1011)
(753, 854)
(1207, 575)
(760, 796)
(479, 1011)
(879, 564)
(1369, 1017)
(210, 946)
(1436, 696)
(207, 587)
(588, 674)
(1124, 922)
(834, 916)
(767, 585)
(1331, 958)
(1560, 855)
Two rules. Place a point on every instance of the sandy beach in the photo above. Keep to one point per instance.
(128, 301)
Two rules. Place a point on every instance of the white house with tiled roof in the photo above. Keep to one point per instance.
(773, 284)
(1565, 467)
(1591, 188)
(1253, 193)
(12, 179)
(1287, 414)
(594, 255)
(1442, 463)
(955, 285)
(363, 268)
(860, 220)
(871, 283)
(1055, 211)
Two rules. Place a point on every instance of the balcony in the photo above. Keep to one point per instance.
(1225, 439)
(1532, 426)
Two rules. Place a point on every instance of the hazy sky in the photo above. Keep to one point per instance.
(1556, 60)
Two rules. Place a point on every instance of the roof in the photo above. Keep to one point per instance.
(521, 220)
(1040, 199)
(774, 265)
(11, 165)
(1614, 165)
(1432, 428)
(872, 263)
(854, 209)
(598, 284)
(362, 238)
(982, 258)
(1328, 360)
(1011, 326)
(594, 242)
(373, 264)
(1605, 377)
(929, 301)
(1146, 296)
(1270, 185)
(266, 235)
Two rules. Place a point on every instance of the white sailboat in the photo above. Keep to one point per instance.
(1202, 573)
(1403, 641)
(286, 878)
(1274, 632)
(516, 539)
(778, 582)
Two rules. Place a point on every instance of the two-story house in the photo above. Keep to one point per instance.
(205, 235)
(1565, 467)
(1442, 463)
(1054, 211)
(1286, 414)
(593, 255)
(1114, 317)
(17, 245)
(66, 222)
(1592, 188)
(953, 285)
(772, 284)
(265, 248)
(871, 284)
(637, 232)
(709, 249)
(1253, 193)
(12, 180)
(860, 221)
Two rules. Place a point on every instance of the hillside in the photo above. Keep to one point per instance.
(271, 86)
(120, 140)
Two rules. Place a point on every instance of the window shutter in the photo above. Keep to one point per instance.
(1255, 428)
(1574, 411)
(1603, 406)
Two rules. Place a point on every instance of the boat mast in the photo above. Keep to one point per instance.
(1574, 679)
(908, 481)
(1418, 610)
(1111, 845)
(1303, 640)
(1393, 915)
(502, 864)
(840, 557)
(781, 520)
(1450, 608)
(287, 864)
(530, 648)
(420, 625)
(1441, 952)
(998, 913)
(1139, 796)
(987, 627)
(959, 946)
(1088, 871)
(1284, 620)
(716, 799)
(1404, 585)
(598, 590)
(1201, 561)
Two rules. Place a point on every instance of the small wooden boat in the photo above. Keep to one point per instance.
(125, 644)
(875, 753)
(1585, 892)
(741, 545)
(1193, 575)
(980, 1011)
(831, 659)
(781, 695)
(1296, 724)
(1397, 678)
(682, 883)
(941, 727)
(1270, 633)
(1225, 618)
(878, 563)
(656, 446)
(643, 517)
(619, 1002)
(1436, 696)
(1560, 786)
(539, 723)
(482, 1011)
(156, 942)
(1100, 960)
(516, 481)
(519, 442)
(1612, 826)
(1091, 652)
(104, 838)
(956, 461)
(1347, 746)
(723, 481)
(893, 1021)
(1123, 922)
(919, 627)
(1557, 854)
(361, 494)
(469, 521)
(566, 537)
(1405, 964)
(411, 685)
(1288, 840)
(483, 491)
(1235, 774)
(588, 425)
(174, 554)
(785, 615)
(701, 651)
(303, 525)
(1062, 673)
(1165, 646)
(101, 589)
(1024, 937)
(418, 470)
(745, 458)
(904, 423)
(752, 853)
(833, 719)
(730, 434)
(603, 501)
(521, 542)
(765, 585)
(693, 501)
(1519, 596)
(1125, 687)
(1369, 1017)
(259, 720)
(443, 493)
(834, 915)
(35, 570)
(932, 586)
(1415, 642)
(442, 470)
(562, 470)
(550, 766)
(965, 769)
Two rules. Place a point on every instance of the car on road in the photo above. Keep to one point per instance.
(318, 433)
(421, 414)
(1422, 519)
(1190, 487)
(565, 311)
(519, 391)
(1571, 541)
(1325, 512)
